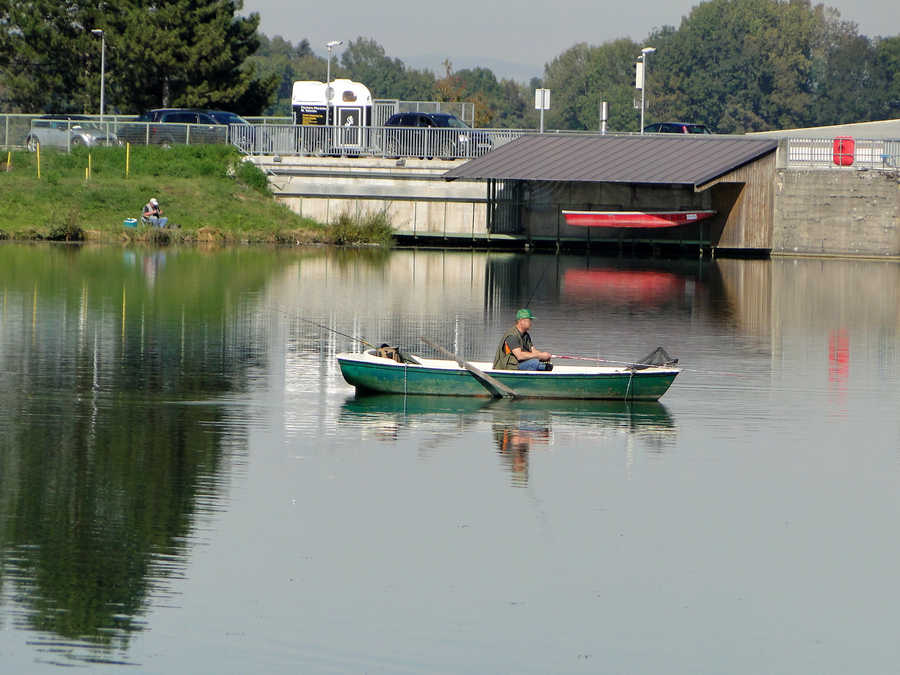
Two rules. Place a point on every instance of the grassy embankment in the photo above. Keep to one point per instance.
(205, 189)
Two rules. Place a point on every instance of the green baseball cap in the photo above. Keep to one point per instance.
(524, 314)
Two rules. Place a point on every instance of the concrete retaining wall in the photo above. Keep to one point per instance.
(412, 192)
(837, 212)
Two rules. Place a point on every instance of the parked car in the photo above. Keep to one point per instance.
(433, 135)
(676, 128)
(66, 131)
(168, 126)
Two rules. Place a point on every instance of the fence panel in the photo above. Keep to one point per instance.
(820, 153)
(393, 142)
(384, 108)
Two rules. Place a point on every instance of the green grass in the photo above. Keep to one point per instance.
(205, 189)
(371, 228)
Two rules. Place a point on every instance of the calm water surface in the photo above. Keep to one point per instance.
(187, 485)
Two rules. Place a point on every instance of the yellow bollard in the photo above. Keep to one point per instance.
(9, 161)
(127, 158)
(38, 151)
(85, 173)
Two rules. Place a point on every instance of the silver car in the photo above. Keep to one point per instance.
(67, 131)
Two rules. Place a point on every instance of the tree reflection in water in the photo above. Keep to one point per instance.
(108, 455)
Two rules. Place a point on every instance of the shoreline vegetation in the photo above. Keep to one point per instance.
(208, 193)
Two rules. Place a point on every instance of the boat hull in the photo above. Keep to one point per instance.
(635, 219)
(368, 375)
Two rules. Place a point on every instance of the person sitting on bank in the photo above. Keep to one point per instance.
(152, 214)
(516, 351)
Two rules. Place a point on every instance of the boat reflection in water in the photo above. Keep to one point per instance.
(516, 426)
(646, 287)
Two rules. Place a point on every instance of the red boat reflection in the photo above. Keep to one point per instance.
(624, 286)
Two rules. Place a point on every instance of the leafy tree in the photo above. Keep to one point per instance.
(887, 77)
(364, 60)
(480, 86)
(743, 65)
(583, 76)
(846, 83)
(515, 109)
(449, 88)
(287, 63)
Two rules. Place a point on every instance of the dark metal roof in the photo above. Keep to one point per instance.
(673, 159)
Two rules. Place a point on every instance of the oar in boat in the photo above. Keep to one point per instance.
(496, 388)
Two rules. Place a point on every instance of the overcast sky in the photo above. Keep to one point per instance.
(514, 39)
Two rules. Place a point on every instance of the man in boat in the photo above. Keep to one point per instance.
(516, 351)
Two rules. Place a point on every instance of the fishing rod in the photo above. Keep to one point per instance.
(576, 357)
(328, 328)
(337, 332)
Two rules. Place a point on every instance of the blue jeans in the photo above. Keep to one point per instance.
(532, 364)
(158, 221)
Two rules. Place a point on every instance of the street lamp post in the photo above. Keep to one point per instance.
(329, 91)
(644, 52)
(99, 31)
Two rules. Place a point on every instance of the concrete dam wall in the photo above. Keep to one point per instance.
(837, 212)
(822, 211)
(412, 192)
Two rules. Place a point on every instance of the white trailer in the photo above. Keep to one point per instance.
(346, 114)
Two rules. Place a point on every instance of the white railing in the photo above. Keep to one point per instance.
(393, 142)
(822, 153)
(26, 131)
(15, 129)
(384, 108)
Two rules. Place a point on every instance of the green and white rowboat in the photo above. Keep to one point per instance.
(373, 374)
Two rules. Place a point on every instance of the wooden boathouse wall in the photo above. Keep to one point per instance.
(745, 201)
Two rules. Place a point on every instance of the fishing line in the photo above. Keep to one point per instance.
(536, 286)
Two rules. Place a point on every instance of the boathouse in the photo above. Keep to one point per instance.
(531, 180)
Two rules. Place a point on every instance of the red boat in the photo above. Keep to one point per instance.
(635, 218)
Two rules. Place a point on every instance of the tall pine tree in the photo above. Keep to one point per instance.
(158, 53)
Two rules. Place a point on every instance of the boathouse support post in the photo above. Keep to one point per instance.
(490, 205)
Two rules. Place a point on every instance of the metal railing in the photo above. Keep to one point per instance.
(15, 129)
(821, 153)
(171, 133)
(266, 121)
(276, 135)
(27, 131)
(393, 142)
(384, 108)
